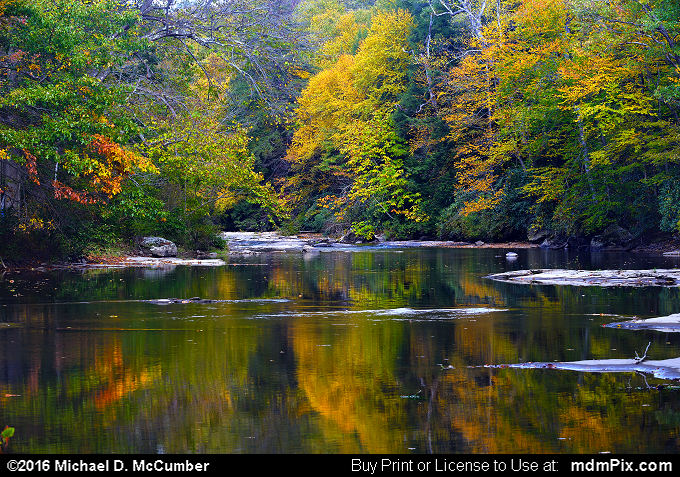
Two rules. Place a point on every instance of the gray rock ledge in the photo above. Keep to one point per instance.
(601, 278)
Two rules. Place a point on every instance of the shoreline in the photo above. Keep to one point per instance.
(244, 244)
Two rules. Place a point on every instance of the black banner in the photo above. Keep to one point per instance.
(344, 464)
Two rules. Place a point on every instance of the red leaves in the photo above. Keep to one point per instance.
(32, 166)
(119, 164)
(108, 175)
(62, 191)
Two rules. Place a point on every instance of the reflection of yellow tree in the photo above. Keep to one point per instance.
(475, 412)
(482, 343)
(515, 411)
(352, 384)
(532, 411)
(117, 381)
(478, 291)
(589, 415)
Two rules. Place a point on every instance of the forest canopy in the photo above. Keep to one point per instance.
(461, 119)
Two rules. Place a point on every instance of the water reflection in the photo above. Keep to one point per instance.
(301, 358)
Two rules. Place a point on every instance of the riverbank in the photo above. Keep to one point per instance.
(243, 244)
(661, 245)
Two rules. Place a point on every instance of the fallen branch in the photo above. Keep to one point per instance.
(639, 359)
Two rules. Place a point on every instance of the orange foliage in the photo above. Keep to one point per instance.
(119, 164)
(32, 166)
(62, 191)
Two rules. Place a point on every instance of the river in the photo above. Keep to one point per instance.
(355, 351)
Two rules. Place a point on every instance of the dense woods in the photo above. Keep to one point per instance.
(462, 119)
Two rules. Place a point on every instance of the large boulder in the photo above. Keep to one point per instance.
(537, 235)
(158, 247)
(350, 237)
(576, 243)
(613, 237)
(554, 243)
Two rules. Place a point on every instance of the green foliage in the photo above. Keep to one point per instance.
(316, 219)
(244, 216)
(669, 206)
(364, 230)
(506, 220)
(62, 121)
(90, 98)
(135, 212)
(201, 234)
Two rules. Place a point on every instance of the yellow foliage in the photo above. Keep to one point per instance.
(346, 110)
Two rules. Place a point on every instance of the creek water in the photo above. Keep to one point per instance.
(355, 351)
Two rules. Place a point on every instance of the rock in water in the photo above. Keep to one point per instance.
(158, 247)
(601, 278)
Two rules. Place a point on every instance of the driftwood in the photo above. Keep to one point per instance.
(640, 359)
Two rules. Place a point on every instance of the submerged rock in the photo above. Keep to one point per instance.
(175, 301)
(164, 262)
(199, 300)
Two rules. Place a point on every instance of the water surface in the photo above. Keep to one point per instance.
(374, 351)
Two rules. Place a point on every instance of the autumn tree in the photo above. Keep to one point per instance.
(567, 104)
(345, 152)
(64, 133)
(86, 84)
